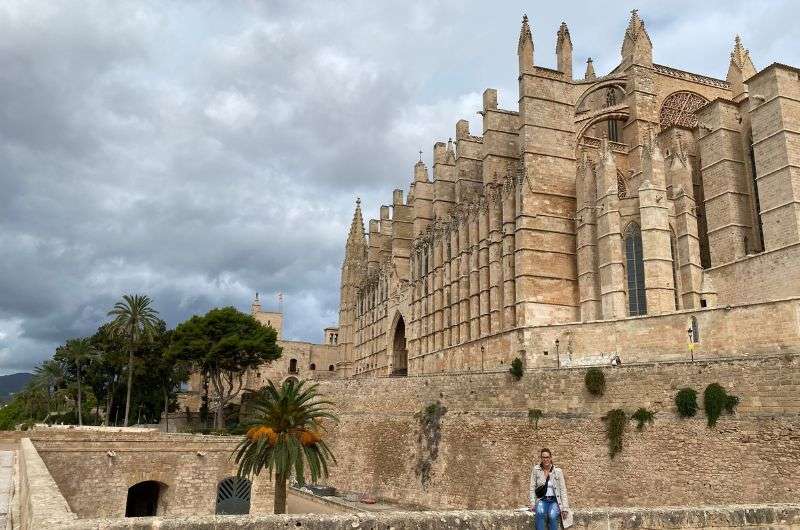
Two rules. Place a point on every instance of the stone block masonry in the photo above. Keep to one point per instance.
(94, 470)
(487, 444)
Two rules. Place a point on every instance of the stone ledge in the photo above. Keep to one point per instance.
(41, 503)
(776, 517)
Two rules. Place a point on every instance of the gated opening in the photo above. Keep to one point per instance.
(143, 499)
(233, 496)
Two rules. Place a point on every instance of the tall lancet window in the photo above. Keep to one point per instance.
(637, 302)
(613, 125)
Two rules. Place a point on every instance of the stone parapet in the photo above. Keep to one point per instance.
(776, 517)
(41, 503)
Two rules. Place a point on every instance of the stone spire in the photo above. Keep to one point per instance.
(356, 239)
(589, 70)
(740, 69)
(636, 46)
(564, 51)
(525, 47)
(450, 158)
(420, 170)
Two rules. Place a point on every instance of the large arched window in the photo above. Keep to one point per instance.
(637, 302)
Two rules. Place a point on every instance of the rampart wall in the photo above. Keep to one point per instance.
(486, 444)
(778, 517)
(95, 484)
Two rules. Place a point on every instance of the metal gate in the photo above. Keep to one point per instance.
(233, 496)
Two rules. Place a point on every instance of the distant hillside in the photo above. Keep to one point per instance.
(12, 383)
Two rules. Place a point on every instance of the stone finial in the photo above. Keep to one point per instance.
(589, 75)
(356, 235)
(740, 69)
(564, 50)
(525, 47)
(451, 154)
(637, 47)
(420, 171)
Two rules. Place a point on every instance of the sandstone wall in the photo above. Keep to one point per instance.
(96, 485)
(486, 444)
(753, 278)
(780, 517)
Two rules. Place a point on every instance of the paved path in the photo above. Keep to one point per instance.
(6, 485)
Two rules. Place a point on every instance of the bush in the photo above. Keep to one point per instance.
(516, 369)
(533, 416)
(615, 427)
(686, 401)
(595, 381)
(715, 400)
(642, 416)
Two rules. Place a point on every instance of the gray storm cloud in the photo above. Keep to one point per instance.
(199, 152)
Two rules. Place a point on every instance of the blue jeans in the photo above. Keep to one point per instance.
(547, 509)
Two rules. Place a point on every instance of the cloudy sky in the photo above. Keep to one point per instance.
(201, 151)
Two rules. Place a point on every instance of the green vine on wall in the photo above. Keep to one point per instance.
(642, 416)
(428, 440)
(615, 428)
(516, 369)
(533, 416)
(715, 400)
(595, 381)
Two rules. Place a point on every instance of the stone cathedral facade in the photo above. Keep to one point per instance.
(649, 213)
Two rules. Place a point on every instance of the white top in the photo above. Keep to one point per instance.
(550, 490)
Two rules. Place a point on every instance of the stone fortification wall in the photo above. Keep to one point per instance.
(750, 329)
(778, 517)
(752, 278)
(41, 504)
(96, 484)
(481, 453)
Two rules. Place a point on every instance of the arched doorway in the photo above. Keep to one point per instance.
(399, 351)
(143, 499)
(233, 496)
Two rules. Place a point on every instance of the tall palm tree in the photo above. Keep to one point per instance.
(47, 377)
(135, 321)
(285, 435)
(80, 352)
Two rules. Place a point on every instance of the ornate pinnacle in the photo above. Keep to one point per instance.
(739, 55)
(589, 70)
(524, 33)
(563, 34)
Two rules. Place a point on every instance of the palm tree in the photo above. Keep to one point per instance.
(47, 377)
(285, 435)
(134, 320)
(80, 352)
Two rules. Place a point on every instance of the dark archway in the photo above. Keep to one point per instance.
(399, 351)
(143, 499)
(233, 496)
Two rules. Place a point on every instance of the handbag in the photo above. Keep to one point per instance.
(541, 490)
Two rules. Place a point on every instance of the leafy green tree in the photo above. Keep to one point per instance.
(223, 344)
(284, 435)
(78, 352)
(136, 321)
(48, 377)
(104, 374)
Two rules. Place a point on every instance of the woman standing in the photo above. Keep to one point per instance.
(548, 493)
